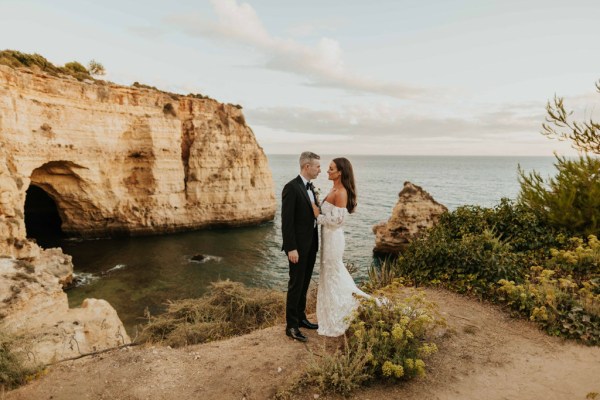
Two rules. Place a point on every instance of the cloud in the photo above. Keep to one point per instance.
(361, 122)
(512, 129)
(321, 64)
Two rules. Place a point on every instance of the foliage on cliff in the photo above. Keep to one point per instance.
(537, 270)
(570, 200)
(562, 294)
(473, 247)
(16, 59)
(539, 256)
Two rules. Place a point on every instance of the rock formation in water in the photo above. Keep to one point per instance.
(110, 160)
(414, 213)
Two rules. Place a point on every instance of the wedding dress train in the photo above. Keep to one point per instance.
(336, 299)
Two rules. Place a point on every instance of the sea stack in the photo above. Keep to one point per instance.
(414, 213)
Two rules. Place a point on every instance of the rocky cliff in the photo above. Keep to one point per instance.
(110, 160)
(414, 213)
(126, 160)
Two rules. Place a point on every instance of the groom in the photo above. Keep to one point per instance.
(300, 242)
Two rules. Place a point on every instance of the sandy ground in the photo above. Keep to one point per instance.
(488, 356)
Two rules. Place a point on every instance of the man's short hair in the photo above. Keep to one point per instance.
(307, 158)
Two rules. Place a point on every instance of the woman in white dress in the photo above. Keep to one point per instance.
(336, 299)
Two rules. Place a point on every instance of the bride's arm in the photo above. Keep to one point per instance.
(335, 217)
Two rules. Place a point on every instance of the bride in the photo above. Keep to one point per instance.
(336, 299)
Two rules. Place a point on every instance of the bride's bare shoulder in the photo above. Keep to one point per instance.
(341, 198)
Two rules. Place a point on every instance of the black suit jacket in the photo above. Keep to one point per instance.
(297, 217)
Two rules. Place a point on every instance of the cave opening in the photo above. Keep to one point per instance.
(42, 220)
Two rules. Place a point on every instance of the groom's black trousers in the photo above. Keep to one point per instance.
(300, 274)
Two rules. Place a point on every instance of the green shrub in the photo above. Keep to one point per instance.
(473, 247)
(17, 59)
(569, 201)
(467, 264)
(96, 68)
(74, 66)
(382, 274)
(562, 294)
(512, 223)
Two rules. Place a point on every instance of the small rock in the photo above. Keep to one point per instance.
(279, 369)
(198, 257)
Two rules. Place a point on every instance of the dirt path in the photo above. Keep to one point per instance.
(489, 356)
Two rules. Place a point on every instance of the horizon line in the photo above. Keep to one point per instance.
(432, 155)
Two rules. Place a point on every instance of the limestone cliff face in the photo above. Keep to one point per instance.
(414, 213)
(126, 160)
(114, 160)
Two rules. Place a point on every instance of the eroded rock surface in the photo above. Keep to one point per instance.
(112, 160)
(35, 309)
(414, 213)
(127, 160)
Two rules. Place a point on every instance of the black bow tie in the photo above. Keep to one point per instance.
(309, 186)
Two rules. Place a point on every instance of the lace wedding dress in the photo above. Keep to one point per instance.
(335, 297)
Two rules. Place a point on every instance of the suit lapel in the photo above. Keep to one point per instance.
(304, 191)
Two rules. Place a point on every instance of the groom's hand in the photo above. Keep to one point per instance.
(293, 256)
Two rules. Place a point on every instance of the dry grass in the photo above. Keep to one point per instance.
(228, 309)
(13, 370)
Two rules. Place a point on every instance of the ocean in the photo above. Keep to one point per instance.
(135, 274)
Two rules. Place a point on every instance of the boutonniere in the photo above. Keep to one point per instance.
(317, 192)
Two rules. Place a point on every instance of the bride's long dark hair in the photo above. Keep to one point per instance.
(343, 165)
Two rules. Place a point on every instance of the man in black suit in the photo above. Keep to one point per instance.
(300, 242)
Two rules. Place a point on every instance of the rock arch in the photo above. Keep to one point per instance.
(62, 182)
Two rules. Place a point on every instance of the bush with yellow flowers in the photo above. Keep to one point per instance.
(563, 295)
(396, 335)
(388, 339)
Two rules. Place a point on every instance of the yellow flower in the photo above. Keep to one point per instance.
(428, 349)
(539, 314)
(397, 332)
(391, 369)
(420, 367)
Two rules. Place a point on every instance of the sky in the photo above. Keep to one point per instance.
(429, 77)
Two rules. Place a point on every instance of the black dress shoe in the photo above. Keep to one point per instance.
(295, 333)
(308, 325)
